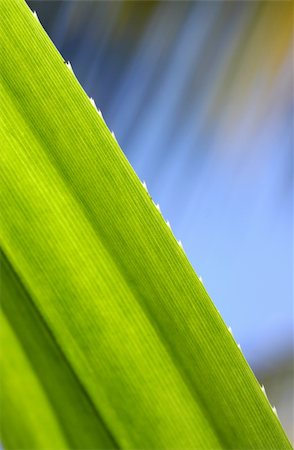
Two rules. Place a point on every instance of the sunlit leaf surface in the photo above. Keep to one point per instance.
(110, 339)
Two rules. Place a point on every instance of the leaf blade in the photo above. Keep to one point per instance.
(105, 272)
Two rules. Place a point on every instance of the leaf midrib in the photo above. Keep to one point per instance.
(43, 324)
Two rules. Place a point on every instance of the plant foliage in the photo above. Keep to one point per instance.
(109, 339)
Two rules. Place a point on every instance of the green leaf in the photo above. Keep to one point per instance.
(110, 340)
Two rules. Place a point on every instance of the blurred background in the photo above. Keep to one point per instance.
(200, 96)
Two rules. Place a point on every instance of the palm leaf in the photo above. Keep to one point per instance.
(110, 338)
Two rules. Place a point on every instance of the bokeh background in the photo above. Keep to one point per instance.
(200, 96)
